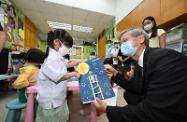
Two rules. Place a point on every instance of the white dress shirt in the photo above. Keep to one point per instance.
(140, 60)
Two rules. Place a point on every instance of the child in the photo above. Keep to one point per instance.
(52, 79)
(29, 72)
(21, 60)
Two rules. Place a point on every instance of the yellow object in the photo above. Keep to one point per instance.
(21, 33)
(154, 42)
(27, 73)
(83, 68)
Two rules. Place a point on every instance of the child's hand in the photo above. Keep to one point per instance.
(77, 75)
(78, 62)
(32, 83)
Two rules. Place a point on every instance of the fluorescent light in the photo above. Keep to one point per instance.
(65, 26)
(82, 29)
(59, 25)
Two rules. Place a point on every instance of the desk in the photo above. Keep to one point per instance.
(29, 116)
(5, 76)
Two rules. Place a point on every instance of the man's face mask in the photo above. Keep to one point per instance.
(128, 49)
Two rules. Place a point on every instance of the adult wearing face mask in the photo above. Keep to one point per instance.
(52, 79)
(163, 93)
(114, 54)
(109, 49)
(157, 37)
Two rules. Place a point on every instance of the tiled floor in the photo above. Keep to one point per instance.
(73, 101)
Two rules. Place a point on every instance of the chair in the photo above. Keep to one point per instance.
(7, 83)
(14, 113)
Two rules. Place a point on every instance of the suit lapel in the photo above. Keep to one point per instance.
(145, 78)
(145, 58)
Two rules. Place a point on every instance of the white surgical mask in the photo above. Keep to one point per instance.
(148, 26)
(128, 49)
(109, 44)
(63, 50)
(116, 45)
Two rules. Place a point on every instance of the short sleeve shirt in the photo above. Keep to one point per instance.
(154, 42)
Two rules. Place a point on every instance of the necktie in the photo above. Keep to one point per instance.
(140, 76)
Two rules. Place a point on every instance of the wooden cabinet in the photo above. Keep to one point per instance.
(151, 8)
(125, 23)
(172, 9)
(137, 16)
(30, 34)
(162, 10)
(102, 46)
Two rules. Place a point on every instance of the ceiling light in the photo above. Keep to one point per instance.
(59, 25)
(82, 29)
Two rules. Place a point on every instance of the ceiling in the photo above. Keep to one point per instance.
(39, 12)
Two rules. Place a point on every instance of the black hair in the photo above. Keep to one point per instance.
(13, 56)
(35, 55)
(67, 56)
(108, 61)
(109, 41)
(154, 28)
(60, 34)
(21, 55)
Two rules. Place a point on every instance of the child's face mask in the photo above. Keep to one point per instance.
(63, 50)
(15, 61)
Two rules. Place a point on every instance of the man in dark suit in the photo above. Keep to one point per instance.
(164, 85)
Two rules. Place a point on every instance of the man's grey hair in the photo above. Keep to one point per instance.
(135, 32)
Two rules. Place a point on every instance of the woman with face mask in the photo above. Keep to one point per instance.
(52, 79)
(157, 36)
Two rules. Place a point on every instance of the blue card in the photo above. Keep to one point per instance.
(95, 83)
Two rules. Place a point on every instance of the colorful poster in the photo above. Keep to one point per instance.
(94, 81)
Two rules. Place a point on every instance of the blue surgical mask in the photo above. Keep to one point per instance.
(128, 49)
(15, 61)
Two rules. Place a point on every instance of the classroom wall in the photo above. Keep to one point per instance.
(14, 26)
(87, 50)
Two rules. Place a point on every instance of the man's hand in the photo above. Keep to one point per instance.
(110, 70)
(100, 105)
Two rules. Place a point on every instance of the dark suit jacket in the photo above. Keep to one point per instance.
(133, 86)
(164, 90)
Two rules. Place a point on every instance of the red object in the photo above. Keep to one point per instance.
(98, 113)
(16, 45)
(7, 83)
(112, 83)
